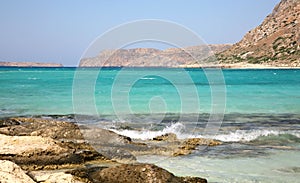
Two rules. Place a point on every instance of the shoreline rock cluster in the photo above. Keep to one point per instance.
(43, 150)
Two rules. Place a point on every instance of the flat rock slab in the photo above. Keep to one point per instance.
(40, 127)
(35, 152)
(29, 145)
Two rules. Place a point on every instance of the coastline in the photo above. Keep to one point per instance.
(56, 149)
(240, 66)
(220, 66)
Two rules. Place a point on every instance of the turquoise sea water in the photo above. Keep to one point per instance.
(260, 131)
(28, 91)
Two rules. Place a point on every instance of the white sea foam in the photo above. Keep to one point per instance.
(179, 130)
(176, 128)
(249, 135)
(148, 78)
(32, 78)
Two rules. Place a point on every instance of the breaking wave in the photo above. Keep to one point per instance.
(180, 130)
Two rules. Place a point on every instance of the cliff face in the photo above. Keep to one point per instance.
(275, 42)
(149, 57)
(29, 64)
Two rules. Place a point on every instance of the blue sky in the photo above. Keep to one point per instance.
(60, 30)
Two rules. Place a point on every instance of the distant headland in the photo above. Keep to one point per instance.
(29, 64)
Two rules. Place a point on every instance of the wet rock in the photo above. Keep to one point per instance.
(128, 173)
(187, 146)
(166, 137)
(170, 145)
(201, 141)
(10, 172)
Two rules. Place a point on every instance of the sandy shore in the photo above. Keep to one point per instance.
(239, 66)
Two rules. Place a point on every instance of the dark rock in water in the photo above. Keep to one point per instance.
(128, 173)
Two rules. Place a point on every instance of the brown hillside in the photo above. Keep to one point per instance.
(275, 42)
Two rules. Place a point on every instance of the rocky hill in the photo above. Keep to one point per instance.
(29, 64)
(275, 42)
(149, 57)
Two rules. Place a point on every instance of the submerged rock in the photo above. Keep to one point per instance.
(10, 172)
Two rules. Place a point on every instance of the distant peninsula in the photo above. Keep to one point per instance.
(29, 64)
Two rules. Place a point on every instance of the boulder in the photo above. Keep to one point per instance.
(10, 172)
(128, 173)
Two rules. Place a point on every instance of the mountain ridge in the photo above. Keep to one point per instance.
(150, 57)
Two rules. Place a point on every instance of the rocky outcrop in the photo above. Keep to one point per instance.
(110, 144)
(29, 64)
(275, 42)
(149, 57)
(37, 144)
(10, 172)
(68, 134)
